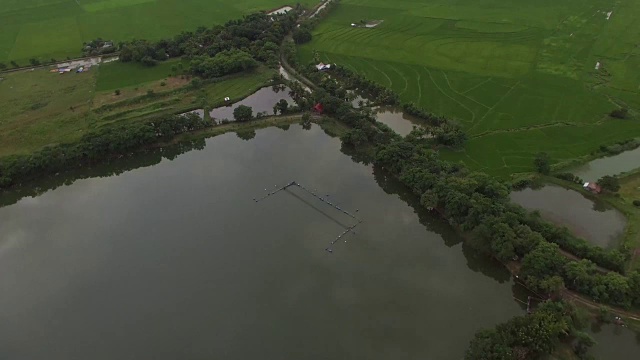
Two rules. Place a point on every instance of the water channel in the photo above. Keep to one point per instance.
(175, 260)
(611, 165)
(592, 220)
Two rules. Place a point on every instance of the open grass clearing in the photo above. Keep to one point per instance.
(40, 108)
(518, 76)
(118, 75)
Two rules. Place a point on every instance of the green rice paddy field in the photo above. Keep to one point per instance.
(519, 75)
(48, 29)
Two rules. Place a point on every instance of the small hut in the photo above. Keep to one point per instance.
(593, 187)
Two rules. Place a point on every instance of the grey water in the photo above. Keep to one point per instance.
(397, 120)
(165, 255)
(175, 260)
(592, 220)
(610, 165)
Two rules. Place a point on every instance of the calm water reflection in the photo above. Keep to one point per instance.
(612, 165)
(175, 260)
(594, 221)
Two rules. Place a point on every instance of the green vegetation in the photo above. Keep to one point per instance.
(519, 76)
(39, 108)
(117, 75)
(96, 145)
(47, 29)
(243, 113)
(532, 336)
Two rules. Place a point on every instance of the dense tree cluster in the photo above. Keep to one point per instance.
(98, 47)
(96, 145)
(531, 336)
(256, 36)
(223, 63)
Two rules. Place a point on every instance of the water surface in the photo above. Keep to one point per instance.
(397, 120)
(174, 260)
(611, 165)
(594, 221)
(262, 100)
(614, 342)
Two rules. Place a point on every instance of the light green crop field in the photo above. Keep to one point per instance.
(48, 29)
(518, 75)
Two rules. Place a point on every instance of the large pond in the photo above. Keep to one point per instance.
(592, 220)
(260, 101)
(614, 342)
(176, 261)
(611, 165)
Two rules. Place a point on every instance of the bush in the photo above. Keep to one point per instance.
(117, 92)
(542, 163)
(636, 203)
(162, 83)
(620, 113)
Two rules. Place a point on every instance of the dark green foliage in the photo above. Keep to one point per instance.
(301, 35)
(98, 47)
(243, 113)
(223, 63)
(281, 106)
(14, 64)
(257, 35)
(609, 183)
(117, 92)
(620, 147)
(94, 146)
(621, 113)
(34, 62)
(542, 163)
(527, 337)
(3, 66)
(569, 177)
(636, 203)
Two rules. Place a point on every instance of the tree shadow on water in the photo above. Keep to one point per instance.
(476, 261)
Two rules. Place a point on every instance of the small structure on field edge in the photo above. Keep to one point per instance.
(323, 67)
(227, 99)
(593, 187)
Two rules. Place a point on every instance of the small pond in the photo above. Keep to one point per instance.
(592, 220)
(261, 100)
(611, 165)
(396, 119)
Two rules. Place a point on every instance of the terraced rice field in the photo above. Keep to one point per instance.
(48, 29)
(518, 75)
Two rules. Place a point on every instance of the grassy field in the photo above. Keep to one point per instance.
(48, 29)
(519, 76)
(39, 108)
(630, 191)
(119, 75)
